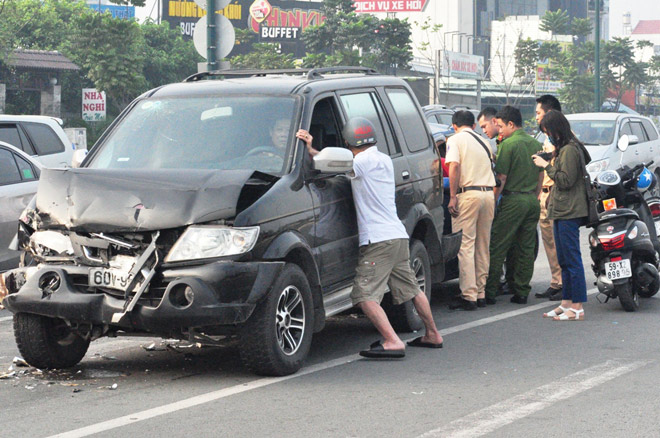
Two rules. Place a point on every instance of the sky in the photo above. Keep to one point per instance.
(639, 10)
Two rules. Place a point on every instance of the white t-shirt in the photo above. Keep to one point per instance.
(373, 193)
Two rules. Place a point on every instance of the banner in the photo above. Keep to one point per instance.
(280, 21)
(93, 105)
(125, 12)
(462, 65)
(370, 6)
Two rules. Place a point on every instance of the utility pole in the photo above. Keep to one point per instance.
(597, 67)
(211, 40)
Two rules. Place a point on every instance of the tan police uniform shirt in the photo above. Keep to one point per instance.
(476, 169)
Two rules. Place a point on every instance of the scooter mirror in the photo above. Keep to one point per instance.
(623, 143)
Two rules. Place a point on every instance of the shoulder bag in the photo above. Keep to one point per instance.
(592, 197)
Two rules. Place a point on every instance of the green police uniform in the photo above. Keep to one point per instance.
(514, 227)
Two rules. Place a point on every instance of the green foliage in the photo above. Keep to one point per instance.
(527, 56)
(556, 22)
(581, 27)
(347, 38)
(263, 56)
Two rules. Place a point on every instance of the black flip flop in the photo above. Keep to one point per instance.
(417, 342)
(377, 351)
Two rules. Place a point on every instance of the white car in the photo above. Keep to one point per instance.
(601, 132)
(19, 177)
(41, 137)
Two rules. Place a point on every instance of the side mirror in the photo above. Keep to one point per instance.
(333, 160)
(623, 143)
(633, 139)
(78, 157)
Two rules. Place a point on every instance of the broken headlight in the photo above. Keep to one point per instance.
(209, 241)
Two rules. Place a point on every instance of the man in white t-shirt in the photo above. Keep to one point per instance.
(472, 207)
(384, 256)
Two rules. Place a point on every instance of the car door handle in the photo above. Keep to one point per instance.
(405, 174)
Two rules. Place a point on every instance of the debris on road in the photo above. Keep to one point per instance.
(20, 362)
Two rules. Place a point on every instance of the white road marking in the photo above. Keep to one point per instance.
(506, 412)
(259, 383)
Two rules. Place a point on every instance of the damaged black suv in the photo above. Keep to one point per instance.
(198, 216)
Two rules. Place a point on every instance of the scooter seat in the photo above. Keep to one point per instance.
(618, 212)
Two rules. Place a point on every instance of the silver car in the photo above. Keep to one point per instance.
(19, 176)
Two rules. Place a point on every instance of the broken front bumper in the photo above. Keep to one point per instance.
(214, 294)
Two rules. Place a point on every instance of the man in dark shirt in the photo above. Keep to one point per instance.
(518, 212)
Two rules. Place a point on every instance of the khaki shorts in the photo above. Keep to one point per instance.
(384, 264)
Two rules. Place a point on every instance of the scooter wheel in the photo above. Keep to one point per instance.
(627, 296)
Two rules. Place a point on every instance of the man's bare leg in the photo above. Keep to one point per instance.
(378, 318)
(424, 310)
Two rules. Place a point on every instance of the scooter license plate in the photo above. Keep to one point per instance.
(617, 270)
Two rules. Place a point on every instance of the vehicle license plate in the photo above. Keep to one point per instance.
(116, 276)
(111, 278)
(616, 270)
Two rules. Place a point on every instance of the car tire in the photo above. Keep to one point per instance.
(276, 338)
(404, 317)
(48, 343)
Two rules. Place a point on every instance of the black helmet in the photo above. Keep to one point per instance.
(359, 132)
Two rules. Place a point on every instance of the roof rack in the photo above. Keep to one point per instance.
(314, 73)
(317, 73)
(244, 73)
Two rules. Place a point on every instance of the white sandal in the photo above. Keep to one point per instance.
(578, 315)
(553, 313)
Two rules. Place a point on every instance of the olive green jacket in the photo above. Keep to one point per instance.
(568, 197)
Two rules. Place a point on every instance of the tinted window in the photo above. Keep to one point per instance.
(8, 170)
(411, 124)
(366, 105)
(651, 132)
(26, 170)
(638, 131)
(445, 119)
(9, 134)
(44, 138)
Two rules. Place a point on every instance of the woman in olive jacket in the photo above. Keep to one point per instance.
(567, 206)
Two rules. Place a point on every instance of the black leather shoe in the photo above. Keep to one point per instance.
(557, 295)
(548, 293)
(518, 299)
(462, 304)
(481, 302)
(504, 289)
(490, 301)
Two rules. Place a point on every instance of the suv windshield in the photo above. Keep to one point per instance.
(594, 132)
(231, 132)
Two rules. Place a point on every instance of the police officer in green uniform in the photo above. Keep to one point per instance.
(518, 212)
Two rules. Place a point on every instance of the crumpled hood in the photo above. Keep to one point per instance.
(94, 200)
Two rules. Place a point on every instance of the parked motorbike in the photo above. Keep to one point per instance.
(624, 244)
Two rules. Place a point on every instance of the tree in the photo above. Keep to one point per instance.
(527, 56)
(110, 52)
(557, 22)
(347, 38)
(263, 56)
(581, 27)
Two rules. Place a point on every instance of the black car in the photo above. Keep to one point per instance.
(198, 215)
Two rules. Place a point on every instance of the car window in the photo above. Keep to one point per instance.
(202, 132)
(594, 132)
(28, 173)
(412, 125)
(651, 132)
(9, 134)
(638, 131)
(43, 138)
(445, 119)
(367, 105)
(9, 173)
(323, 127)
(431, 118)
(625, 129)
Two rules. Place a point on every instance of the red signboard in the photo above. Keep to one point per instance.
(368, 6)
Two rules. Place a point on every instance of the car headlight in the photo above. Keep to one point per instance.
(596, 167)
(209, 241)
